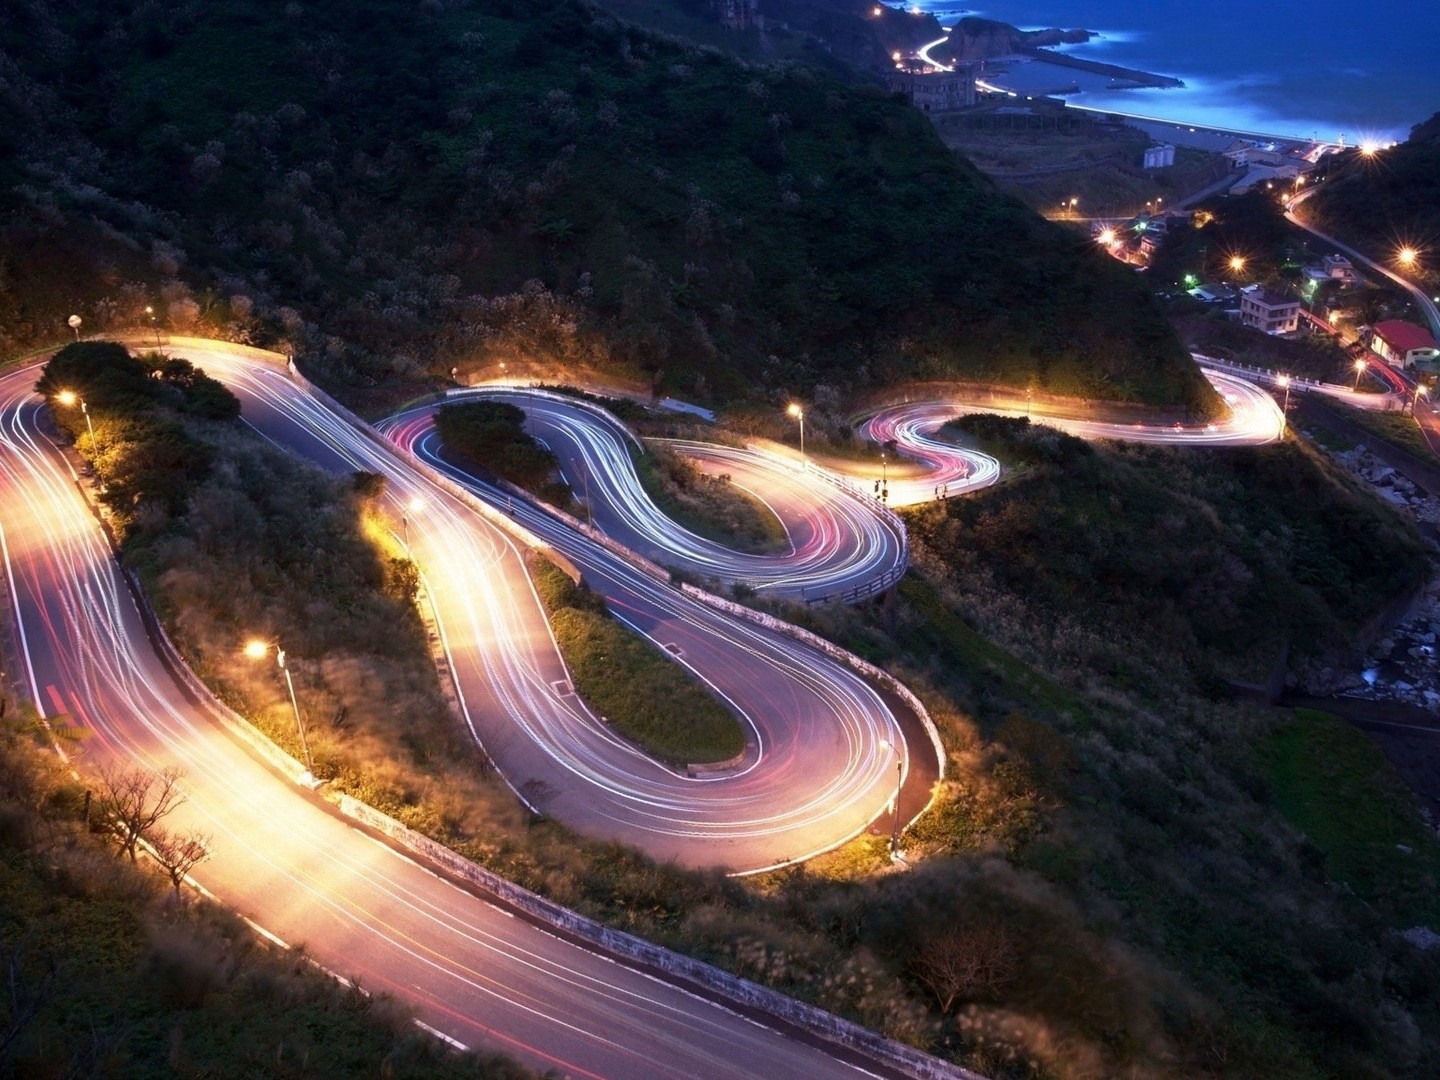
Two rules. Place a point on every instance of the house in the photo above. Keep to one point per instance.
(1267, 310)
(1331, 268)
(1400, 343)
(1338, 266)
(1159, 157)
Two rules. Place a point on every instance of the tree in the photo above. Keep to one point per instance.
(178, 854)
(133, 801)
(965, 961)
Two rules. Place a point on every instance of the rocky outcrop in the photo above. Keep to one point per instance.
(983, 39)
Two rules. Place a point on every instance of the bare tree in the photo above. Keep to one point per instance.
(178, 854)
(132, 801)
(966, 961)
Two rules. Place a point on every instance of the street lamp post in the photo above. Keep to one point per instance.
(155, 326)
(414, 506)
(799, 414)
(1421, 390)
(899, 782)
(1285, 408)
(884, 478)
(257, 650)
(895, 824)
(1360, 366)
(69, 398)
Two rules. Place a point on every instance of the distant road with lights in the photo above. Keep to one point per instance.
(475, 973)
(1254, 419)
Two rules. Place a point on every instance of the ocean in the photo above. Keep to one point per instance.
(1319, 69)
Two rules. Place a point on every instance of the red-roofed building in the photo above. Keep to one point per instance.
(1402, 343)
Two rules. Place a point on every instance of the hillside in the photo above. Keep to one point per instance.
(349, 181)
(1386, 200)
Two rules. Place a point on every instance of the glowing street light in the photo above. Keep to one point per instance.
(1107, 237)
(256, 649)
(1360, 366)
(74, 323)
(1237, 263)
(799, 414)
(1406, 256)
(69, 398)
(1421, 390)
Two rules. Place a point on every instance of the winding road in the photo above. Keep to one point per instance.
(824, 749)
(840, 543)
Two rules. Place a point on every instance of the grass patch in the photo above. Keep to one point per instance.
(709, 506)
(489, 438)
(647, 698)
(969, 656)
(1335, 786)
(1398, 429)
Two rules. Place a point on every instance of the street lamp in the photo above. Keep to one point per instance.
(1406, 256)
(1421, 390)
(899, 783)
(68, 398)
(150, 311)
(799, 414)
(257, 650)
(884, 478)
(74, 323)
(1360, 367)
(1284, 381)
(1237, 263)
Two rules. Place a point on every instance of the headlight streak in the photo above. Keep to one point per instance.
(815, 775)
(1254, 420)
(839, 539)
(364, 910)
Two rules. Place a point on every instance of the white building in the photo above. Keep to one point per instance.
(1272, 312)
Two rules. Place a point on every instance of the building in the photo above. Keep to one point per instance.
(1400, 343)
(1338, 266)
(1159, 157)
(936, 91)
(1272, 312)
(738, 14)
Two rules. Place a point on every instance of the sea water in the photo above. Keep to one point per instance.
(1318, 69)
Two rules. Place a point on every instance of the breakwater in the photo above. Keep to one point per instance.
(1095, 67)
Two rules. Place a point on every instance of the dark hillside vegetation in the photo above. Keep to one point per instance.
(1387, 201)
(1170, 559)
(351, 180)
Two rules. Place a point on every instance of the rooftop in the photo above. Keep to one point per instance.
(1404, 336)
